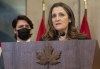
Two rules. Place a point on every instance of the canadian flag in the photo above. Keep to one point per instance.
(84, 29)
(42, 29)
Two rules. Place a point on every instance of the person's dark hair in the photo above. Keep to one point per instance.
(52, 33)
(22, 17)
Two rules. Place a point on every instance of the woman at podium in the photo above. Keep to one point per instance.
(61, 24)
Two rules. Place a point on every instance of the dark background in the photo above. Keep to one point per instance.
(9, 9)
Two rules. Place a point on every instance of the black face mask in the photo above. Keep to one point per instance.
(24, 33)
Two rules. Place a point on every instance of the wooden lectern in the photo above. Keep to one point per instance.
(75, 54)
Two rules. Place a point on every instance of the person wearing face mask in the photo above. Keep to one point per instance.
(61, 24)
(22, 27)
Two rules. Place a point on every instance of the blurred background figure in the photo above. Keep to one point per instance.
(22, 27)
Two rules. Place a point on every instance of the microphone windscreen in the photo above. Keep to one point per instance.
(62, 33)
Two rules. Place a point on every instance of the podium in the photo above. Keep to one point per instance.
(75, 54)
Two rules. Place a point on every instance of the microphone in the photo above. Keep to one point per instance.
(61, 33)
